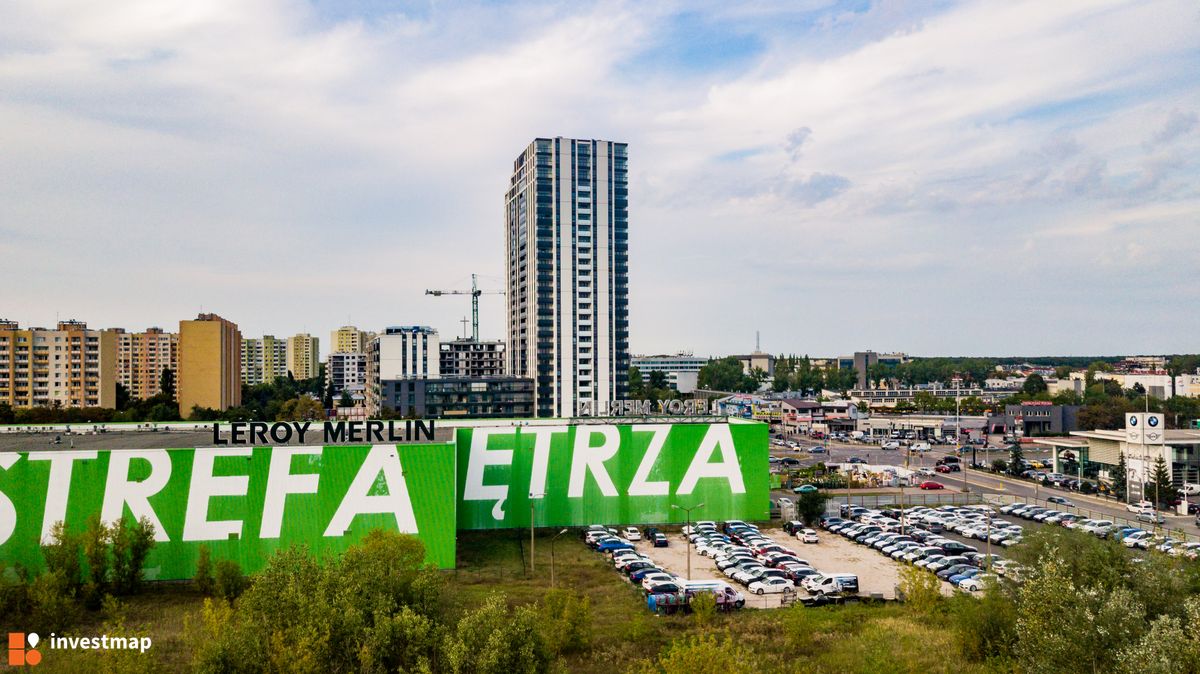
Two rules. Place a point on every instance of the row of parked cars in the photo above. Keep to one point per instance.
(763, 565)
(665, 592)
(908, 536)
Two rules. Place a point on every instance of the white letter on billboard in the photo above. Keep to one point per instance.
(719, 435)
(480, 458)
(8, 512)
(59, 486)
(359, 501)
(120, 491)
(281, 482)
(205, 485)
(640, 487)
(585, 458)
(543, 435)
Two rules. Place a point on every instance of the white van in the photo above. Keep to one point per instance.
(834, 584)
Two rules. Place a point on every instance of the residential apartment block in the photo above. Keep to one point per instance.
(472, 359)
(567, 248)
(210, 364)
(71, 366)
(401, 352)
(347, 373)
(142, 357)
(303, 356)
(349, 339)
(264, 360)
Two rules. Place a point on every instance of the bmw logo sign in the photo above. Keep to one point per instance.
(1153, 421)
(1133, 421)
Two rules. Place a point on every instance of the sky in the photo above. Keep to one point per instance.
(935, 177)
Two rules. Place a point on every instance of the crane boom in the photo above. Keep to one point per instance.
(474, 292)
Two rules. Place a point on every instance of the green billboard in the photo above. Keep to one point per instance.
(242, 502)
(606, 473)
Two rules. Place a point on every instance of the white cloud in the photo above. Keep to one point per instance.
(286, 170)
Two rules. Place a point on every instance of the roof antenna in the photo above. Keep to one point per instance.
(757, 341)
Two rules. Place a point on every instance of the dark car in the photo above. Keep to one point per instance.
(793, 526)
(954, 548)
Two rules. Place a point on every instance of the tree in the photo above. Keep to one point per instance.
(636, 385)
(1120, 478)
(703, 654)
(166, 383)
(1164, 492)
(810, 506)
(122, 396)
(494, 639)
(1016, 460)
(1034, 384)
(303, 408)
(132, 541)
(346, 400)
(726, 374)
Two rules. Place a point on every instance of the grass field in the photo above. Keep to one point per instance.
(889, 638)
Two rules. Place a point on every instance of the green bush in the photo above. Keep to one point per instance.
(703, 654)
(565, 621)
(230, 581)
(704, 607)
(52, 603)
(404, 642)
(96, 551)
(132, 541)
(62, 554)
(204, 573)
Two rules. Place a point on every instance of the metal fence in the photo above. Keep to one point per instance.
(833, 505)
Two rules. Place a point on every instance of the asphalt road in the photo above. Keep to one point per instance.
(981, 481)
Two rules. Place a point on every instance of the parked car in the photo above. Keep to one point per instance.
(832, 585)
(807, 536)
(930, 484)
(804, 489)
(632, 534)
(977, 583)
(1150, 516)
(772, 585)
(660, 541)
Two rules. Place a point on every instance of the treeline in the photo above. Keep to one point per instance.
(285, 399)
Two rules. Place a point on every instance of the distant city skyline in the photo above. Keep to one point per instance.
(949, 178)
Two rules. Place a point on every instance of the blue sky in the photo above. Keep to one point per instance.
(1010, 177)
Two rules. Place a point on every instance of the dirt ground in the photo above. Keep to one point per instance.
(877, 574)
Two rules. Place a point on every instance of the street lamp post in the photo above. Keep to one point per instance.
(552, 555)
(687, 514)
(532, 502)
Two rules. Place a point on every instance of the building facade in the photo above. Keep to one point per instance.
(400, 352)
(862, 361)
(469, 358)
(210, 364)
(142, 357)
(682, 369)
(348, 339)
(264, 360)
(460, 397)
(71, 366)
(347, 373)
(567, 263)
(303, 355)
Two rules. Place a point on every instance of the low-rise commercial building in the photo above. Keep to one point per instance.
(682, 370)
(1098, 453)
(1035, 418)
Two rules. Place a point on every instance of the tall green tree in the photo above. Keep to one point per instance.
(726, 374)
(1163, 492)
(636, 384)
(1016, 460)
(1034, 384)
(1120, 478)
(166, 383)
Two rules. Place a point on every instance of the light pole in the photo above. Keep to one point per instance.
(552, 555)
(532, 502)
(687, 514)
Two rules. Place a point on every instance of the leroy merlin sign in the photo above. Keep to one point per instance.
(243, 503)
(611, 474)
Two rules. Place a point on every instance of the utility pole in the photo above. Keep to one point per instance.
(687, 514)
(552, 555)
(532, 503)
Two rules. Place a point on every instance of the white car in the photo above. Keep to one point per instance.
(1140, 506)
(772, 586)
(977, 583)
(657, 578)
(1133, 540)
(807, 536)
(632, 534)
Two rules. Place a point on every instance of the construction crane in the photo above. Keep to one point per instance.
(474, 292)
